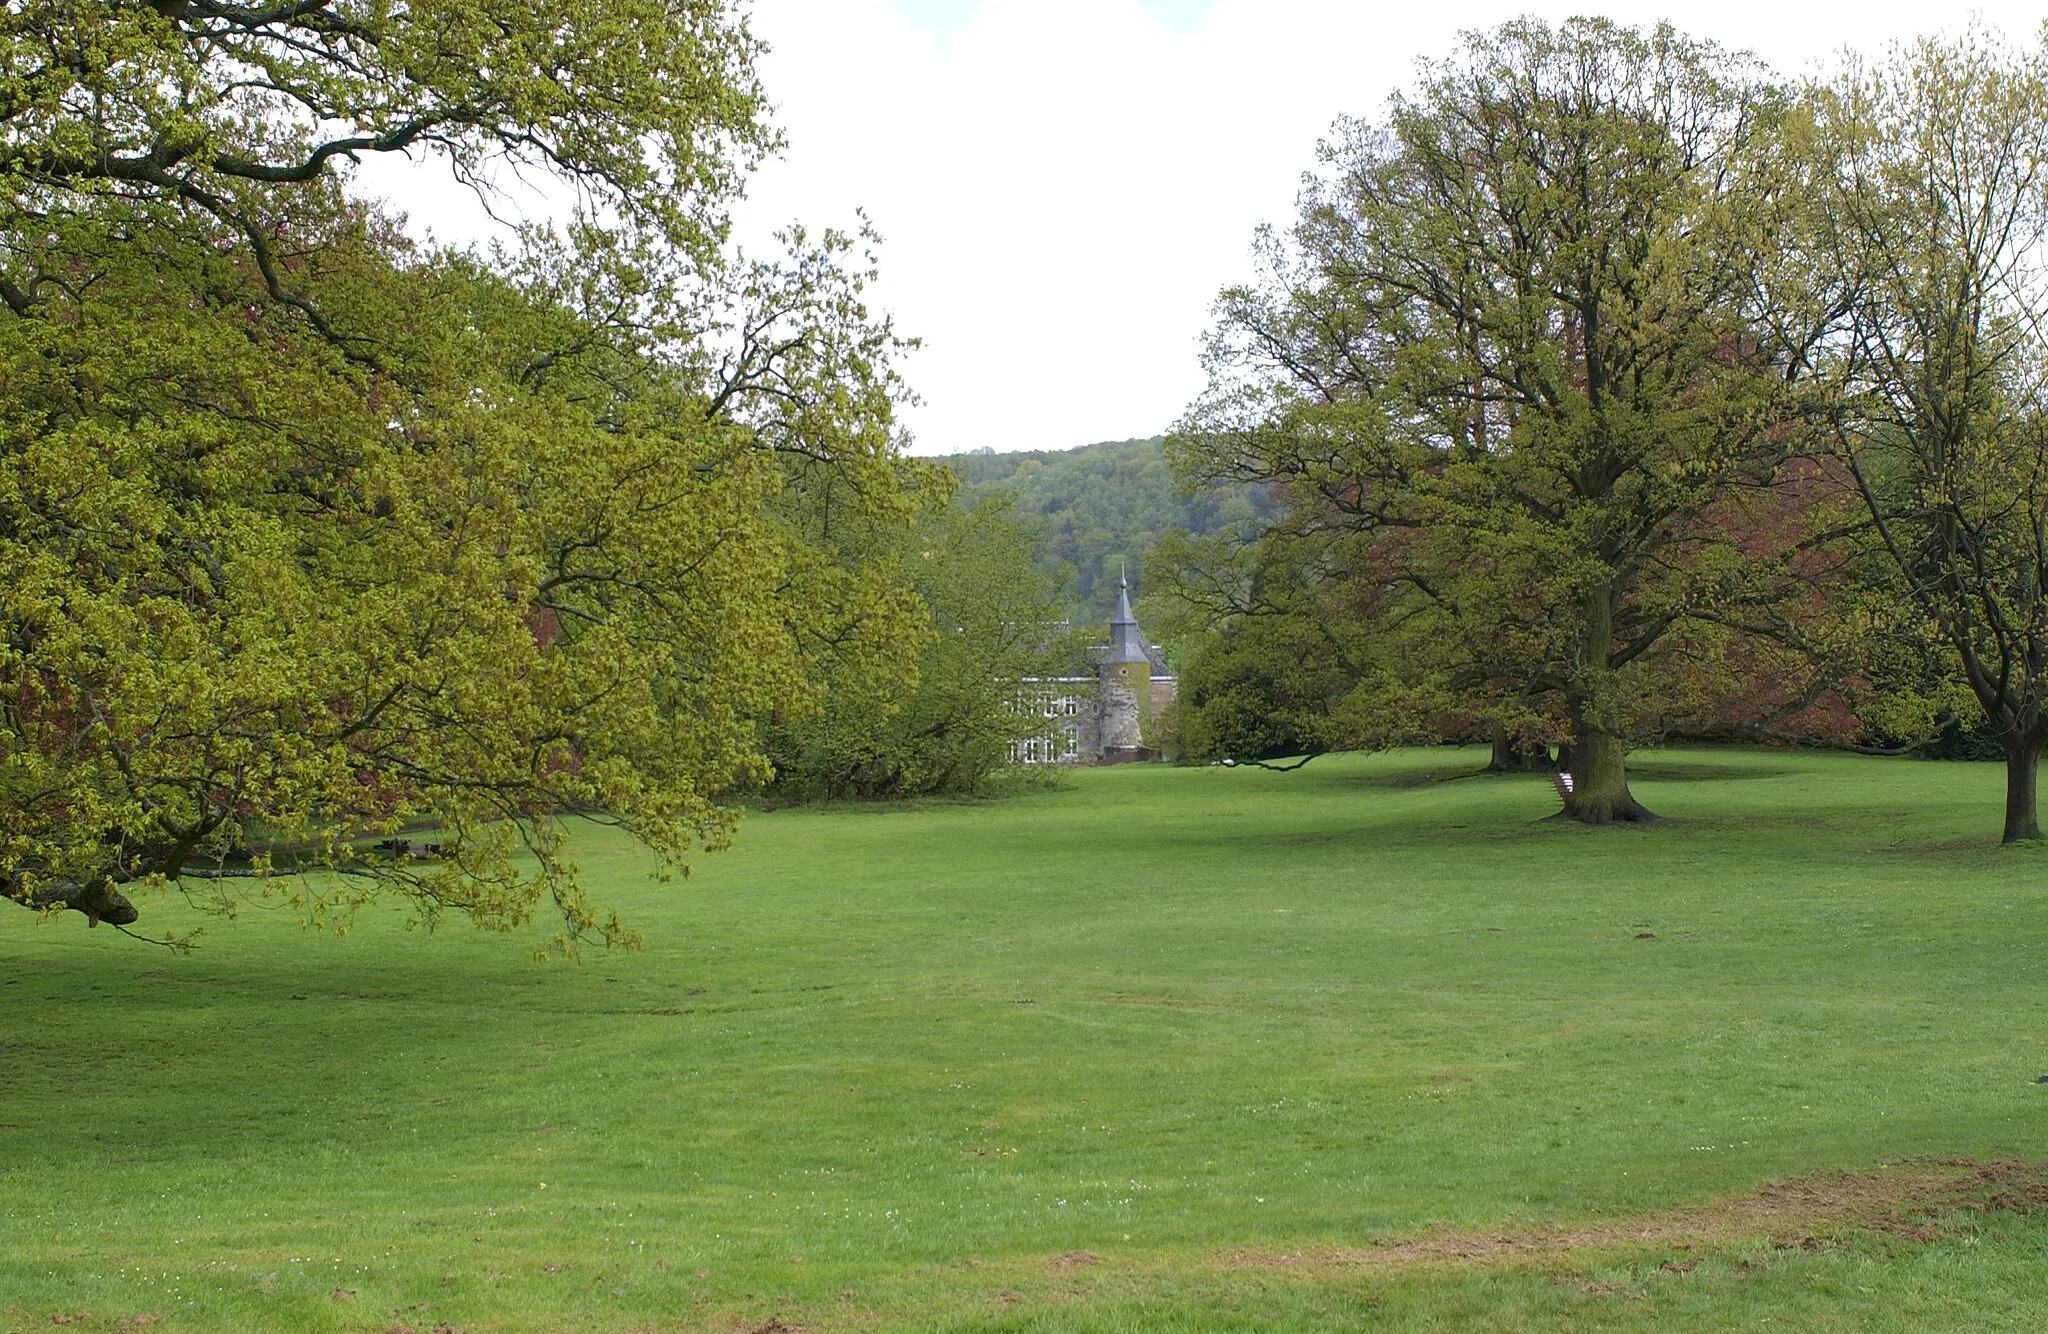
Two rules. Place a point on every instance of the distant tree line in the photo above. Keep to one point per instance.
(1099, 509)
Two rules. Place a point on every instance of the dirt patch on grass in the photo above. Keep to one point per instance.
(1906, 1198)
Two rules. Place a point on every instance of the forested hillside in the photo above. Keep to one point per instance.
(1100, 507)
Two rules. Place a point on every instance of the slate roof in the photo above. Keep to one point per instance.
(1126, 642)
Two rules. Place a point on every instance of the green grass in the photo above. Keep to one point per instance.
(881, 1069)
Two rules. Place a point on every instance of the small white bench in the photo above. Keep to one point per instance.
(1562, 781)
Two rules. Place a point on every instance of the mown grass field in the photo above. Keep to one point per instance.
(1362, 1046)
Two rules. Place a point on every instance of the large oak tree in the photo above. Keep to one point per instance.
(1512, 363)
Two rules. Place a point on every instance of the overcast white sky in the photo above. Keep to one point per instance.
(1063, 185)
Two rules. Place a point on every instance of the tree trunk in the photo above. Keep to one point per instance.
(2022, 766)
(1600, 792)
(1599, 787)
(1513, 755)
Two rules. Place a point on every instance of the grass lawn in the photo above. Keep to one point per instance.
(1360, 1046)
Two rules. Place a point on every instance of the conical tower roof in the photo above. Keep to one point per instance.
(1125, 643)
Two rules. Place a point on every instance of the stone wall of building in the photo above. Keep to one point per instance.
(1123, 717)
(1088, 731)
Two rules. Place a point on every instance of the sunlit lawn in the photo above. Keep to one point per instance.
(884, 1068)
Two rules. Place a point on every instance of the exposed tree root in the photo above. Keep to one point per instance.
(1629, 812)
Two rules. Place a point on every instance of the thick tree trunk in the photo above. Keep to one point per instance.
(2022, 768)
(1599, 776)
(1600, 792)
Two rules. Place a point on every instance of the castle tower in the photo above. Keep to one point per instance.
(1126, 682)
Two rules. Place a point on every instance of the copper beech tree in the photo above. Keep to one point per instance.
(1513, 363)
(310, 535)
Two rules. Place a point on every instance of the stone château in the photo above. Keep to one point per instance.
(1105, 718)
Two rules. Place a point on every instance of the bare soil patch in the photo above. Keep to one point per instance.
(1906, 1198)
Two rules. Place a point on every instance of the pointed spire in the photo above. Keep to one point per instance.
(1123, 600)
(1125, 643)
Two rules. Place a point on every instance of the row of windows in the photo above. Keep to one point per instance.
(1047, 701)
(1046, 704)
(1045, 750)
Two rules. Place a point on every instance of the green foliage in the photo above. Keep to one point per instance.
(255, 591)
(992, 616)
(1279, 657)
(306, 535)
(1369, 1001)
(1101, 508)
(1260, 690)
(649, 110)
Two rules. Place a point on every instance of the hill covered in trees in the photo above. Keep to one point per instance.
(1101, 507)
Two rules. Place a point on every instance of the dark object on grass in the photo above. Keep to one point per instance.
(399, 847)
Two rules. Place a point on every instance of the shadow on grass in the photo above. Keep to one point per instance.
(1503, 824)
(1692, 771)
(1440, 770)
(1450, 765)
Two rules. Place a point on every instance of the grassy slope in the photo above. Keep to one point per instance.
(1156, 1017)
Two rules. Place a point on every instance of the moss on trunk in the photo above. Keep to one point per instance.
(2022, 770)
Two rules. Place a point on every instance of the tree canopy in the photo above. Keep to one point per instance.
(311, 535)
